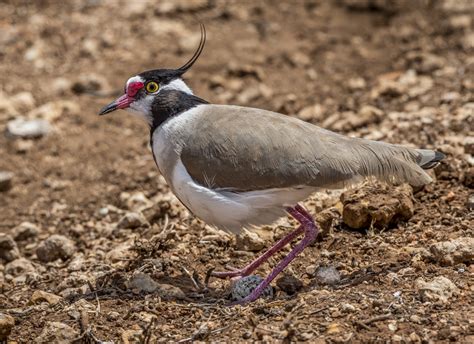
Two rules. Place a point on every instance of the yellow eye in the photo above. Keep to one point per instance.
(152, 87)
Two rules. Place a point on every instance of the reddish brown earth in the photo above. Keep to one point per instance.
(395, 71)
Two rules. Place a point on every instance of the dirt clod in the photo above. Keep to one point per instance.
(460, 250)
(8, 248)
(289, 284)
(438, 289)
(327, 275)
(6, 181)
(6, 324)
(377, 206)
(56, 332)
(55, 247)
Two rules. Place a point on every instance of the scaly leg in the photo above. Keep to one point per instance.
(310, 232)
(247, 270)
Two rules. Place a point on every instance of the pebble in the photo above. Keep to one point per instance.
(6, 181)
(136, 201)
(438, 289)
(29, 129)
(249, 241)
(56, 246)
(245, 285)
(23, 101)
(289, 284)
(131, 221)
(6, 325)
(8, 248)
(460, 250)
(57, 332)
(470, 202)
(54, 110)
(19, 266)
(42, 296)
(469, 145)
(25, 231)
(89, 83)
(142, 282)
(327, 275)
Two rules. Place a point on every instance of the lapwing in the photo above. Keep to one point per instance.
(240, 167)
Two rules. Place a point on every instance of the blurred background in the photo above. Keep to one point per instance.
(399, 71)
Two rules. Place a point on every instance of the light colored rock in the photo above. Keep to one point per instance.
(6, 180)
(55, 247)
(29, 129)
(312, 112)
(132, 221)
(249, 241)
(42, 296)
(327, 275)
(136, 201)
(19, 266)
(438, 289)
(53, 110)
(8, 248)
(23, 101)
(25, 231)
(172, 6)
(6, 325)
(121, 253)
(90, 83)
(460, 250)
(142, 282)
(57, 332)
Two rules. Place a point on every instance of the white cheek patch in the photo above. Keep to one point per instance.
(142, 108)
(178, 85)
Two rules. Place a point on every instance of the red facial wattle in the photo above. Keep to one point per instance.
(124, 101)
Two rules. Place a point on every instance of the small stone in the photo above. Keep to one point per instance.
(6, 325)
(89, 83)
(132, 221)
(438, 289)
(42, 296)
(136, 202)
(29, 129)
(460, 250)
(56, 246)
(60, 86)
(415, 318)
(414, 338)
(57, 332)
(469, 145)
(6, 181)
(54, 110)
(356, 83)
(348, 308)
(8, 248)
(333, 328)
(23, 101)
(327, 275)
(249, 241)
(19, 266)
(142, 282)
(470, 202)
(312, 112)
(133, 335)
(170, 292)
(289, 284)
(244, 287)
(25, 231)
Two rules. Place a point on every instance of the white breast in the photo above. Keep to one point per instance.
(222, 208)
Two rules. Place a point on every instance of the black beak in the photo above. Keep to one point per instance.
(120, 103)
(108, 108)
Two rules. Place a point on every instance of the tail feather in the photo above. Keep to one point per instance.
(429, 159)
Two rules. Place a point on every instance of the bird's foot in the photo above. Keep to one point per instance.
(231, 274)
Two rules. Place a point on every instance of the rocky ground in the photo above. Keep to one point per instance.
(94, 247)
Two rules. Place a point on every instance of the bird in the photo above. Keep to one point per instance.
(239, 167)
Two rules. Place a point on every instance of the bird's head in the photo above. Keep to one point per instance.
(145, 91)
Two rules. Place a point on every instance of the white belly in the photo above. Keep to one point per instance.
(233, 211)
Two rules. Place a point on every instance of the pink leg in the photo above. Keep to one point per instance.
(310, 230)
(247, 270)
